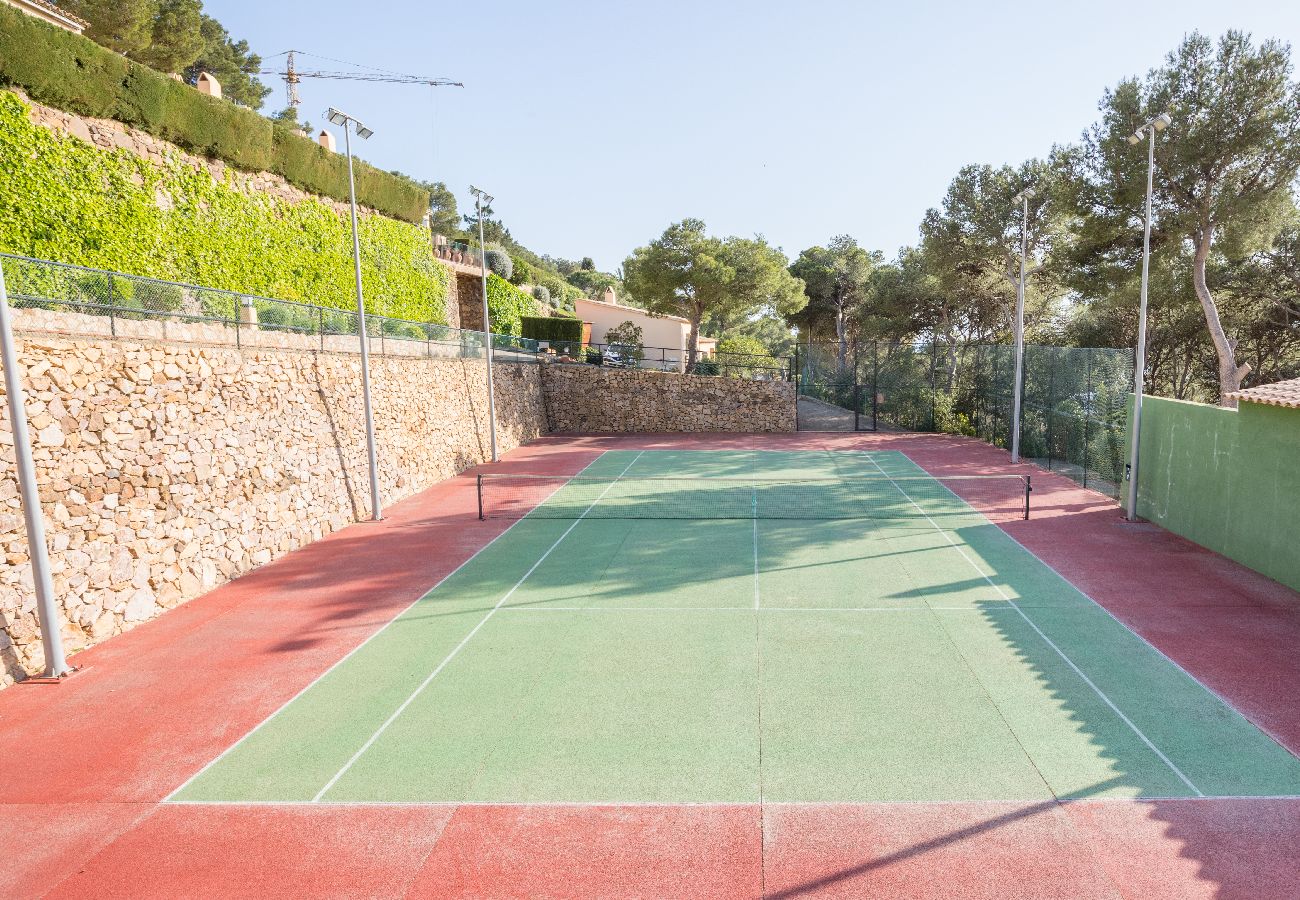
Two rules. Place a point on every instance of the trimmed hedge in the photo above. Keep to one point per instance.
(76, 75)
(66, 200)
(545, 328)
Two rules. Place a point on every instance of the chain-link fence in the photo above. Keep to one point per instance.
(239, 318)
(1073, 412)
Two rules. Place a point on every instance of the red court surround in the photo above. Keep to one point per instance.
(84, 764)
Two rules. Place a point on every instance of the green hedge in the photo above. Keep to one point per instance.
(507, 305)
(66, 200)
(544, 328)
(76, 75)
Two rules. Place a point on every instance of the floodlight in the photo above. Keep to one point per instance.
(1135, 137)
(363, 132)
(1027, 194)
(1161, 121)
(336, 117)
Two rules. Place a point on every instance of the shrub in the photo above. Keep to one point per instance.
(626, 339)
(705, 366)
(498, 260)
(522, 273)
(562, 333)
(541, 294)
(74, 74)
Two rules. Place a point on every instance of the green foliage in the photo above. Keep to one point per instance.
(498, 260)
(627, 340)
(686, 272)
(64, 199)
(177, 38)
(521, 272)
(72, 73)
(231, 62)
(122, 25)
(541, 294)
(507, 305)
(547, 328)
(707, 367)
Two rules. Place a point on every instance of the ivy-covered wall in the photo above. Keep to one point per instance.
(74, 74)
(507, 305)
(67, 200)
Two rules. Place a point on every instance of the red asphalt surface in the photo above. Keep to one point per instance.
(84, 764)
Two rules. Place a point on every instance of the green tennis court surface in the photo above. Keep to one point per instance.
(911, 651)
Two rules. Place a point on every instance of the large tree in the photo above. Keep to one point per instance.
(1223, 170)
(689, 273)
(835, 279)
(232, 62)
(122, 25)
(176, 37)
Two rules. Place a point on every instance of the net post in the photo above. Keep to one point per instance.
(1028, 489)
(479, 483)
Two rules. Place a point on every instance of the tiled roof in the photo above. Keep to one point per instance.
(1281, 393)
(57, 10)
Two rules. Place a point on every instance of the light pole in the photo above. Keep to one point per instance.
(1148, 131)
(348, 123)
(1022, 198)
(56, 664)
(483, 200)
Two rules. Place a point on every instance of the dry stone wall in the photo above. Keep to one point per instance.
(167, 469)
(594, 399)
(171, 460)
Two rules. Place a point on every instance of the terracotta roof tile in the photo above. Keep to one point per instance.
(49, 6)
(1281, 393)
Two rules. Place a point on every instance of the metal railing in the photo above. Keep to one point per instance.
(459, 252)
(124, 299)
(751, 366)
(127, 302)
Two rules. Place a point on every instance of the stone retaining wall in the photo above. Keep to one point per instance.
(590, 399)
(168, 469)
(170, 461)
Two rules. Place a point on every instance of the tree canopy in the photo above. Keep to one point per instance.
(687, 272)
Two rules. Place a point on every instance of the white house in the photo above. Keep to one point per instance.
(666, 338)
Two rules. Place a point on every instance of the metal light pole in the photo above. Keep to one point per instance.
(1023, 198)
(482, 199)
(348, 123)
(56, 664)
(1140, 355)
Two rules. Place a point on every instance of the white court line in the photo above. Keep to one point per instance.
(465, 640)
(605, 804)
(350, 653)
(745, 609)
(1059, 652)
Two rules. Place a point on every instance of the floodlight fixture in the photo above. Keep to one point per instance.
(363, 132)
(336, 117)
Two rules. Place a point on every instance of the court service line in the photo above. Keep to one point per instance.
(465, 640)
(746, 609)
(378, 631)
(1059, 652)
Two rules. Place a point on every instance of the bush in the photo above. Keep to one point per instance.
(705, 366)
(498, 260)
(522, 273)
(552, 328)
(541, 294)
(75, 74)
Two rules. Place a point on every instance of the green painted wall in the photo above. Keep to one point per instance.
(1227, 479)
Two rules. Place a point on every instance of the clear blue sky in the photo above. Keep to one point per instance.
(597, 124)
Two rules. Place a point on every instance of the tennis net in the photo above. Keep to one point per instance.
(684, 497)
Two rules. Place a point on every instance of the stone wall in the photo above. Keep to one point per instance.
(590, 399)
(167, 469)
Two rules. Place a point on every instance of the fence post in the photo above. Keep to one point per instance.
(112, 304)
(239, 325)
(934, 363)
(857, 388)
(1087, 413)
(875, 385)
(1051, 406)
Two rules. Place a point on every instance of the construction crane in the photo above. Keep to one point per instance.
(292, 75)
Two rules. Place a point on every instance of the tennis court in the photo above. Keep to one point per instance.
(750, 626)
